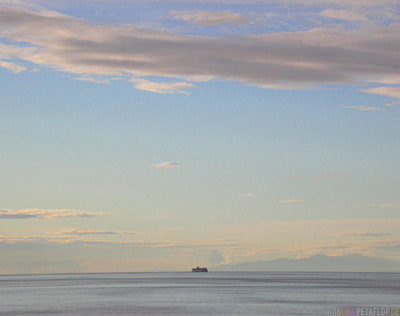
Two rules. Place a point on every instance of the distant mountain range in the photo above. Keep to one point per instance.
(348, 263)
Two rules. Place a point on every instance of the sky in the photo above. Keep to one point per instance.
(161, 135)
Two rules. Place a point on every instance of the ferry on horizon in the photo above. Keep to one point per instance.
(198, 269)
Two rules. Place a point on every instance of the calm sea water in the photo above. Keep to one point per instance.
(213, 293)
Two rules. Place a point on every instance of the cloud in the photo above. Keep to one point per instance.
(155, 217)
(45, 214)
(388, 205)
(331, 176)
(210, 18)
(162, 87)
(166, 165)
(94, 80)
(393, 104)
(79, 231)
(343, 15)
(388, 245)
(390, 80)
(241, 195)
(363, 234)
(350, 3)
(363, 108)
(307, 237)
(12, 67)
(385, 91)
(341, 3)
(290, 201)
(217, 257)
(236, 243)
(68, 240)
(285, 59)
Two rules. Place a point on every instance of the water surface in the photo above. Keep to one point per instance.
(213, 293)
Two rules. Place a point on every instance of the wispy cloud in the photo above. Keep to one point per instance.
(363, 108)
(80, 231)
(290, 201)
(393, 104)
(328, 176)
(162, 87)
(234, 243)
(389, 80)
(286, 59)
(388, 205)
(341, 3)
(331, 176)
(85, 241)
(241, 195)
(217, 257)
(343, 15)
(385, 91)
(166, 165)
(246, 195)
(310, 237)
(363, 234)
(94, 80)
(12, 67)
(45, 214)
(155, 217)
(210, 18)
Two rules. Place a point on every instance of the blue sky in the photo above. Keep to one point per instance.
(151, 136)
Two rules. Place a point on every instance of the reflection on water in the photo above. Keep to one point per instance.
(213, 293)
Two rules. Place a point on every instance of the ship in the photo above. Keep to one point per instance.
(198, 269)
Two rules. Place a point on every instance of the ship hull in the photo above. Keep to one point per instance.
(198, 269)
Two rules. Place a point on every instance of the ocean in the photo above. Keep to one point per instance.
(213, 293)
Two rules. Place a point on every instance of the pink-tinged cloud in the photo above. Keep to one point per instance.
(162, 87)
(210, 18)
(363, 108)
(166, 165)
(46, 214)
(12, 67)
(80, 231)
(364, 234)
(274, 60)
(343, 15)
(290, 201)
(241, 195)
(93, 80)
(155, 217)
(388, 205)
(392, 92)
(331, 176)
